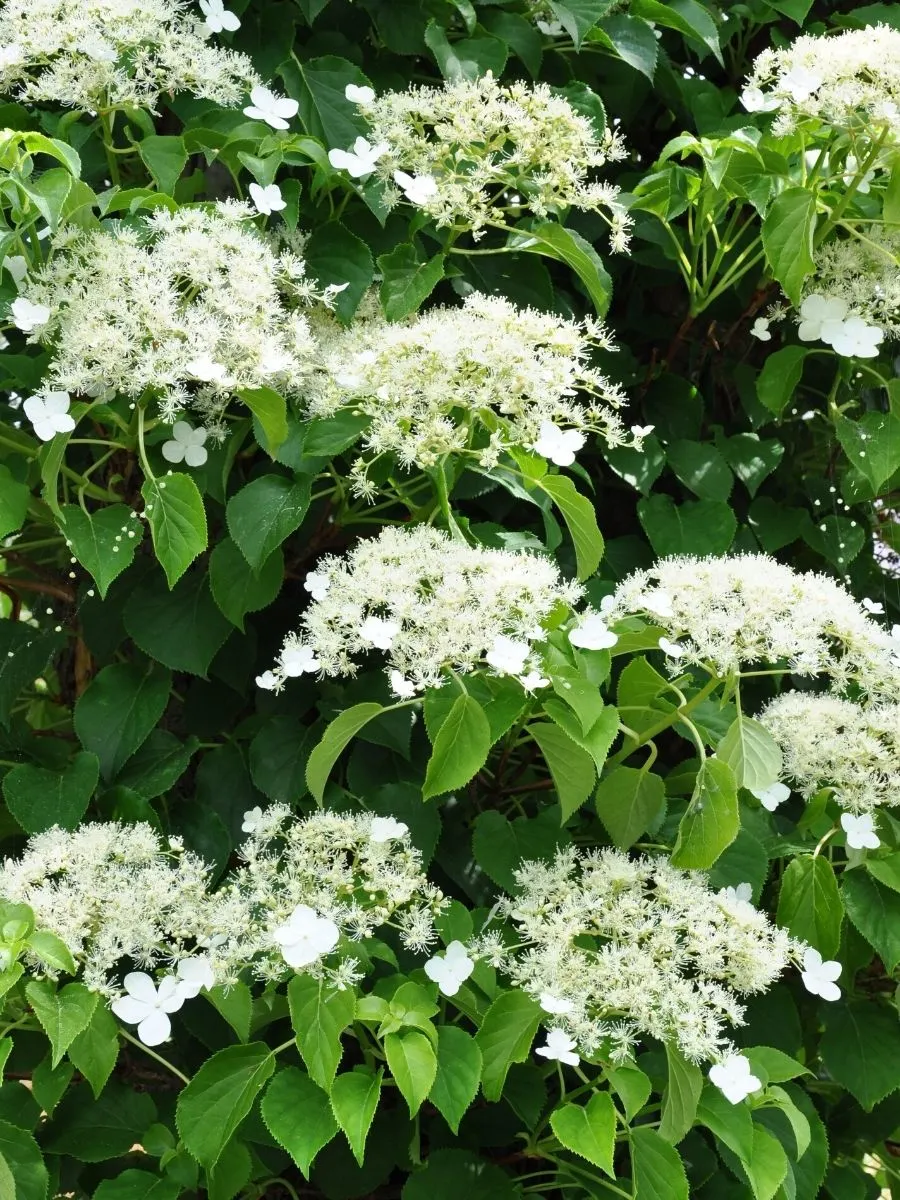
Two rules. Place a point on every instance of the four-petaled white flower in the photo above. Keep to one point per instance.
(642, 431)
(386, 829)
(379, 632)
(205, 368)
(186, 445)
(267, 106)
(306, 936)
(851, 166)
(760, 330)
(818, 976)
(875, 607)
(550, 28)
(17, 265)
(28, 316)
(193, 975)
(754, 99)
(418, 189)
(741, 894)
(856, 338)
(555, 1004)
(591, 633)
(671, 649)
(317, 584)
(267, 200)
(734, 1079)
(770, 797)
(451, 969)
(357, 94)
(267, 681)
(800, 82)
(252, 820)
(147, 1006)
(402, 687)
(10, 55)
(218, 17)
(821, 316)
(49, 414)
(559, 1047)
(860, 831)
(533, 680)
(507, 656)
(558, 445)
(298, 660)
(360, 160)
(658, 603)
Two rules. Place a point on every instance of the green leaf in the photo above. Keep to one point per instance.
(628, 802)
(698, 527)
(95, 1051)
(165, 158)
(872, 444)
(581, 521)
(179, 626)
(572, 769)
(779, 377)
(460, 748)
(499, 845)
(218, 1098)
(839, 539)
(138, 1185)
(459, 1175)
(63, 1014)
(354, 1099)
(177, 518)
(39, 798)
(752, 753)
(235, 1005)
(52, 950)
(337, 735)
(334, 255)
(458, 1074)
(24, 654)
(104, 541)
(298, 1115)
(566, 245)
(116, 713)
(875, 911)
(505, 1037)
(809, 906)
(413, 1064)
(97, 1130)
(861, 1049)
(712, 820)
(681, 1096)
(634, 41)
(20, 1154)
(158, 765)
(886, 870)
(407, 280)
(264, 513)
(701, 467)
(767, 1165)
(14, 497)
(270, 409)
(687, 16)
(589, 1130)
(578, 17)
(278, 757)
(319, 1015)
(787, 237)
(324, 108)
(731, 1123)
(236, 588)
(656, 1167)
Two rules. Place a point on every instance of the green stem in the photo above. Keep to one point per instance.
(152, 1053)
(107, 120)
(667, 722)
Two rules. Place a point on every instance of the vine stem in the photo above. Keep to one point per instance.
(672, 719)
(152, 1053)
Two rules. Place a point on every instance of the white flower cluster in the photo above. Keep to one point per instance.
(614, 948)
(431, 604)
(829, 318)
(481, 377)
(98, 55)
(477, 152)
(306, 883)
(849, 80)
(190, 307)
(836, 743)
(854, 281)
(749, 610)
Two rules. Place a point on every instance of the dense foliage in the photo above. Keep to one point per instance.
(449, 611)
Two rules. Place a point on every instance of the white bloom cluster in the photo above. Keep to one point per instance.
(111, 892)
(98, 55)
(830, 319)
(835, 743)
(855, 278)
(431, 603)
(750, 610)
(491, 151)
(306, 882)
(190, 307)
(481, 377)
(850, 80)
(614, 948)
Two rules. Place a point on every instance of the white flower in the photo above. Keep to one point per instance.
(194, 974)
(734, 1079)
(267, 681)
(558, 445)
(147, 1007)
(402, 687)
(10, 55)
(642, 431)
(851, 167)
(205, 368)
(754, 99)
(533, 680)
(760, 330)
(252, 820)
(306, 936)
(298, 660)
(17, 265)
(379, 632)
(317, 584)
(451, 969)
(550, 28)
(507, 656)
(266, 106)
(875, 607)
(386, 829)
(555, 1004)
(186, 445)
(418, 189)
(742, 894)
(821, 317)
(361, 160)
(800, 83)
(770, 797)
(560, 1047)
(267, 200)
(359, 95)
(856, 338)
(218, 17)
(860, 831)
(28, 316)
(49, 414)
(818, 976)
(658, 603)
(592, 633)
(672, 649)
